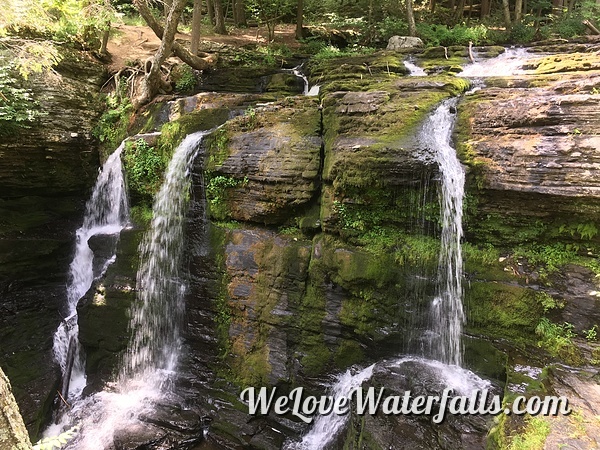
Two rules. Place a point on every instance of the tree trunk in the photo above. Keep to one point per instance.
(412, 28)
(506, 9)
(571, 6)
(13, 433)
(153, 80)
(518, 10)
(104, 39)
(470, 12)
(180, 51)
(485, 9)
(210, 9)
(219, 17)
(240, 12)
(196, 23)
(460, 10)
(299, 19)
(166, 7)
(432, 6)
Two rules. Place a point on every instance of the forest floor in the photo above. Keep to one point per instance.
(129, 43)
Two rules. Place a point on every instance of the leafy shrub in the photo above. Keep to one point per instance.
(391, 26)
(17, 107)
(435, 35)
(144, 167)
(521, 33)
(112, 125)
(185, 78)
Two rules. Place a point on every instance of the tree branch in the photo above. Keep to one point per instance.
(196, 62)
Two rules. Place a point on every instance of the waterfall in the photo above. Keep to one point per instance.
(106, 213)
(415, 71)
(447, 315)
(308, 91)
(158, 311)
(507, 64)
(326, 428)
(156, 318)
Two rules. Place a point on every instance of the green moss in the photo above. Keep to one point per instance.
(347, 354)
(533, 436)
(568, 63)
(503, 311)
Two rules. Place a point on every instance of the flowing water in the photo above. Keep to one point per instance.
(308, 90)
(509, 63)
(415, 71)
(325, 428)
(106, 213)
(156, 318)
(157, 314)
(447, 315)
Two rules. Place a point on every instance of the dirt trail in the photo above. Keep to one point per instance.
(129, 43)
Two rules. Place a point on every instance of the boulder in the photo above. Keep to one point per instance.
(396, 43)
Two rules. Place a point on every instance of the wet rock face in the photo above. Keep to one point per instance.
(414, 431)
(46, 172)
(272, 157)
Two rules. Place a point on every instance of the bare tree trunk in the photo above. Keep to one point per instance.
(104, 40)
(460, 10)
(299, 19)
(181, 52)
(571, 6)
(210, 9)
(219, 17)
(166, 6)
(432, 6)
(591, 27)
(470, 12)
(410, 15)
(506, 9)
(196, 23)
(13, 433)
(485, 9)
(518, 10)
(153, 80)
(240, 12)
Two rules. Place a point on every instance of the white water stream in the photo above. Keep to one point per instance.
(106, 213)
(308, 90)
(415, 71)
(447, 315)
(156, 319)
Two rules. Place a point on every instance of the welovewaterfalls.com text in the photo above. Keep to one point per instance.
(373, 401)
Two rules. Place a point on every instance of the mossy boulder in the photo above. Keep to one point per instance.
(264, 166)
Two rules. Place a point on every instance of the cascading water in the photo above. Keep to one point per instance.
(509, 63)
(414, 70)
(158, 312)
(106, 213)
(156, 316)
(447, 315)
(326, 428)
(308, 91)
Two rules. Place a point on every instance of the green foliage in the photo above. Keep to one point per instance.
(435, 35)
(585, 231)
(547, 258)
(144, 166)
(217, 146)
(17, 107)
(591, 334)
(216, 193)
(548, 302)
(534, 435)
(331, 51)
(112, 126)
(185, 78)
(78, 21)
(557, 339)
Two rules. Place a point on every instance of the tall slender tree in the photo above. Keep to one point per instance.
(410, 15)
(219, 17)
(299, 19)
(196, 23)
